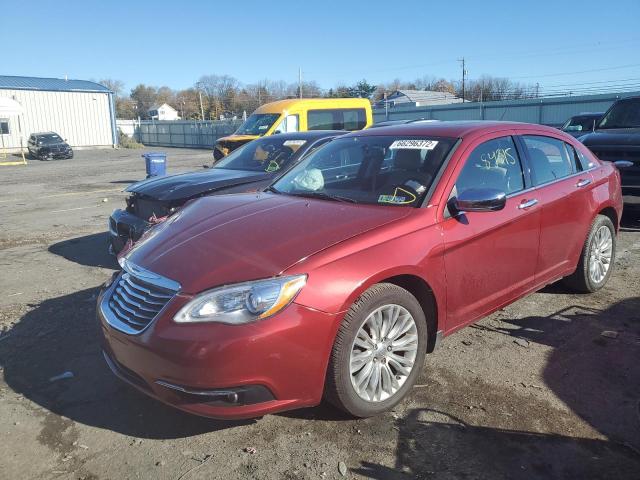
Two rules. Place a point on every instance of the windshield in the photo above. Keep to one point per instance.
(269, 154)
(50, 139)
(580, 124)
(258, 124)
(379, 170)
(623, 114)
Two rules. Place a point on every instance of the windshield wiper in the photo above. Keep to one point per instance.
(273, 189)
(324, 196)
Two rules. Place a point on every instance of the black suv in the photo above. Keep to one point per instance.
(48, 146)
(616, 138)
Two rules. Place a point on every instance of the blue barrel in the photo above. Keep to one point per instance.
(155, 163)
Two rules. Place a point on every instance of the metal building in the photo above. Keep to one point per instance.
(80, 111)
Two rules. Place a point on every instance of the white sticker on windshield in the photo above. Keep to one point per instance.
(416, 144)
(294, 142)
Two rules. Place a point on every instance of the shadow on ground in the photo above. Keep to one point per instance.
(597, 378)
(630, 219)
(61, 335)
(90, 250)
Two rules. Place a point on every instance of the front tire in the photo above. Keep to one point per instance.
(378, 352)
(597, 257)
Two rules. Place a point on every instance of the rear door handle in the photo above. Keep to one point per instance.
(583, 183)
(527, 204)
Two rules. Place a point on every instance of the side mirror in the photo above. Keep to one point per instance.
(623, 164)
(204, 165)
(479, 200)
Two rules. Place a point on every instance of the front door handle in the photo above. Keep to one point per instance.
(527, 204)
(583, 183)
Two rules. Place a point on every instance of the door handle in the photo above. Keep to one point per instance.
(527, 204)
(583, 183)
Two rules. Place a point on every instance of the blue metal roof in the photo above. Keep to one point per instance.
(50, 84)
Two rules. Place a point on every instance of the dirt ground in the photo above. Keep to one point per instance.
(536, 391)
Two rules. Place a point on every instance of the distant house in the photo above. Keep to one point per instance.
(163, 112)
(418, 98)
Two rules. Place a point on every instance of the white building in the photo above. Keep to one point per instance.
(418, 98)
(164, 112)
(83, 112)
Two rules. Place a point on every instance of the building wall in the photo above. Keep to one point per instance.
(83, 118)
(547, 111)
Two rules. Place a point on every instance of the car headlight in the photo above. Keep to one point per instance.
(243, 302)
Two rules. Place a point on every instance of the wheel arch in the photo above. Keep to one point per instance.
(611, 213)
(420, 289)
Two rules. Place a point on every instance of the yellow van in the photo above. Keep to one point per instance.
(298, 115)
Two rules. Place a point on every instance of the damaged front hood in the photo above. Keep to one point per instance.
(187, 185)
(227, 239)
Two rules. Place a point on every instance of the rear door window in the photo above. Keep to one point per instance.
(337, 119)
(493, 164)
(549, 158)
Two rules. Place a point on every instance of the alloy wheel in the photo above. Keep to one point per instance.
(383, 353)
(601, 254)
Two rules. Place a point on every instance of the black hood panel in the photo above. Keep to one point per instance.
(188, 185)
(615, 137)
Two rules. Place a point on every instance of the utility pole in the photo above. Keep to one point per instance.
(300, 81)
(537, 90)
(464, 74)
(201, 107)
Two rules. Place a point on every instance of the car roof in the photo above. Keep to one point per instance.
(455, 129)
(280, 105)
(39, 134)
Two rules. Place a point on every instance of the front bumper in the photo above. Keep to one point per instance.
(62, 154)
(124, 226)
(275, 364)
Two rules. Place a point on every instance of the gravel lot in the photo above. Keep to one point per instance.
(534, 391)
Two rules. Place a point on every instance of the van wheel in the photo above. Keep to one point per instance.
(378, 352)
(597, 257)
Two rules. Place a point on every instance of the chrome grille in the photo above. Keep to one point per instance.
(135, 302)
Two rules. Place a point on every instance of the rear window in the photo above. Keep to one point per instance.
(549, 158)
(337, 119)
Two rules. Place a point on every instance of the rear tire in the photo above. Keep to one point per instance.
(396, 328)
(597, 258)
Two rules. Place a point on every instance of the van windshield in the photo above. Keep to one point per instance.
(258, 124)
(379, 170)
(623, 114)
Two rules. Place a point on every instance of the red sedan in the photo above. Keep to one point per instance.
(338, 279)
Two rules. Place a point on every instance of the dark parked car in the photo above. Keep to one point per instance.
(48, 146)
(617, 139)
(338, 279)
(249, 168)
(578, 125)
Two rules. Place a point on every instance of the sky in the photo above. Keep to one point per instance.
(173, 43)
